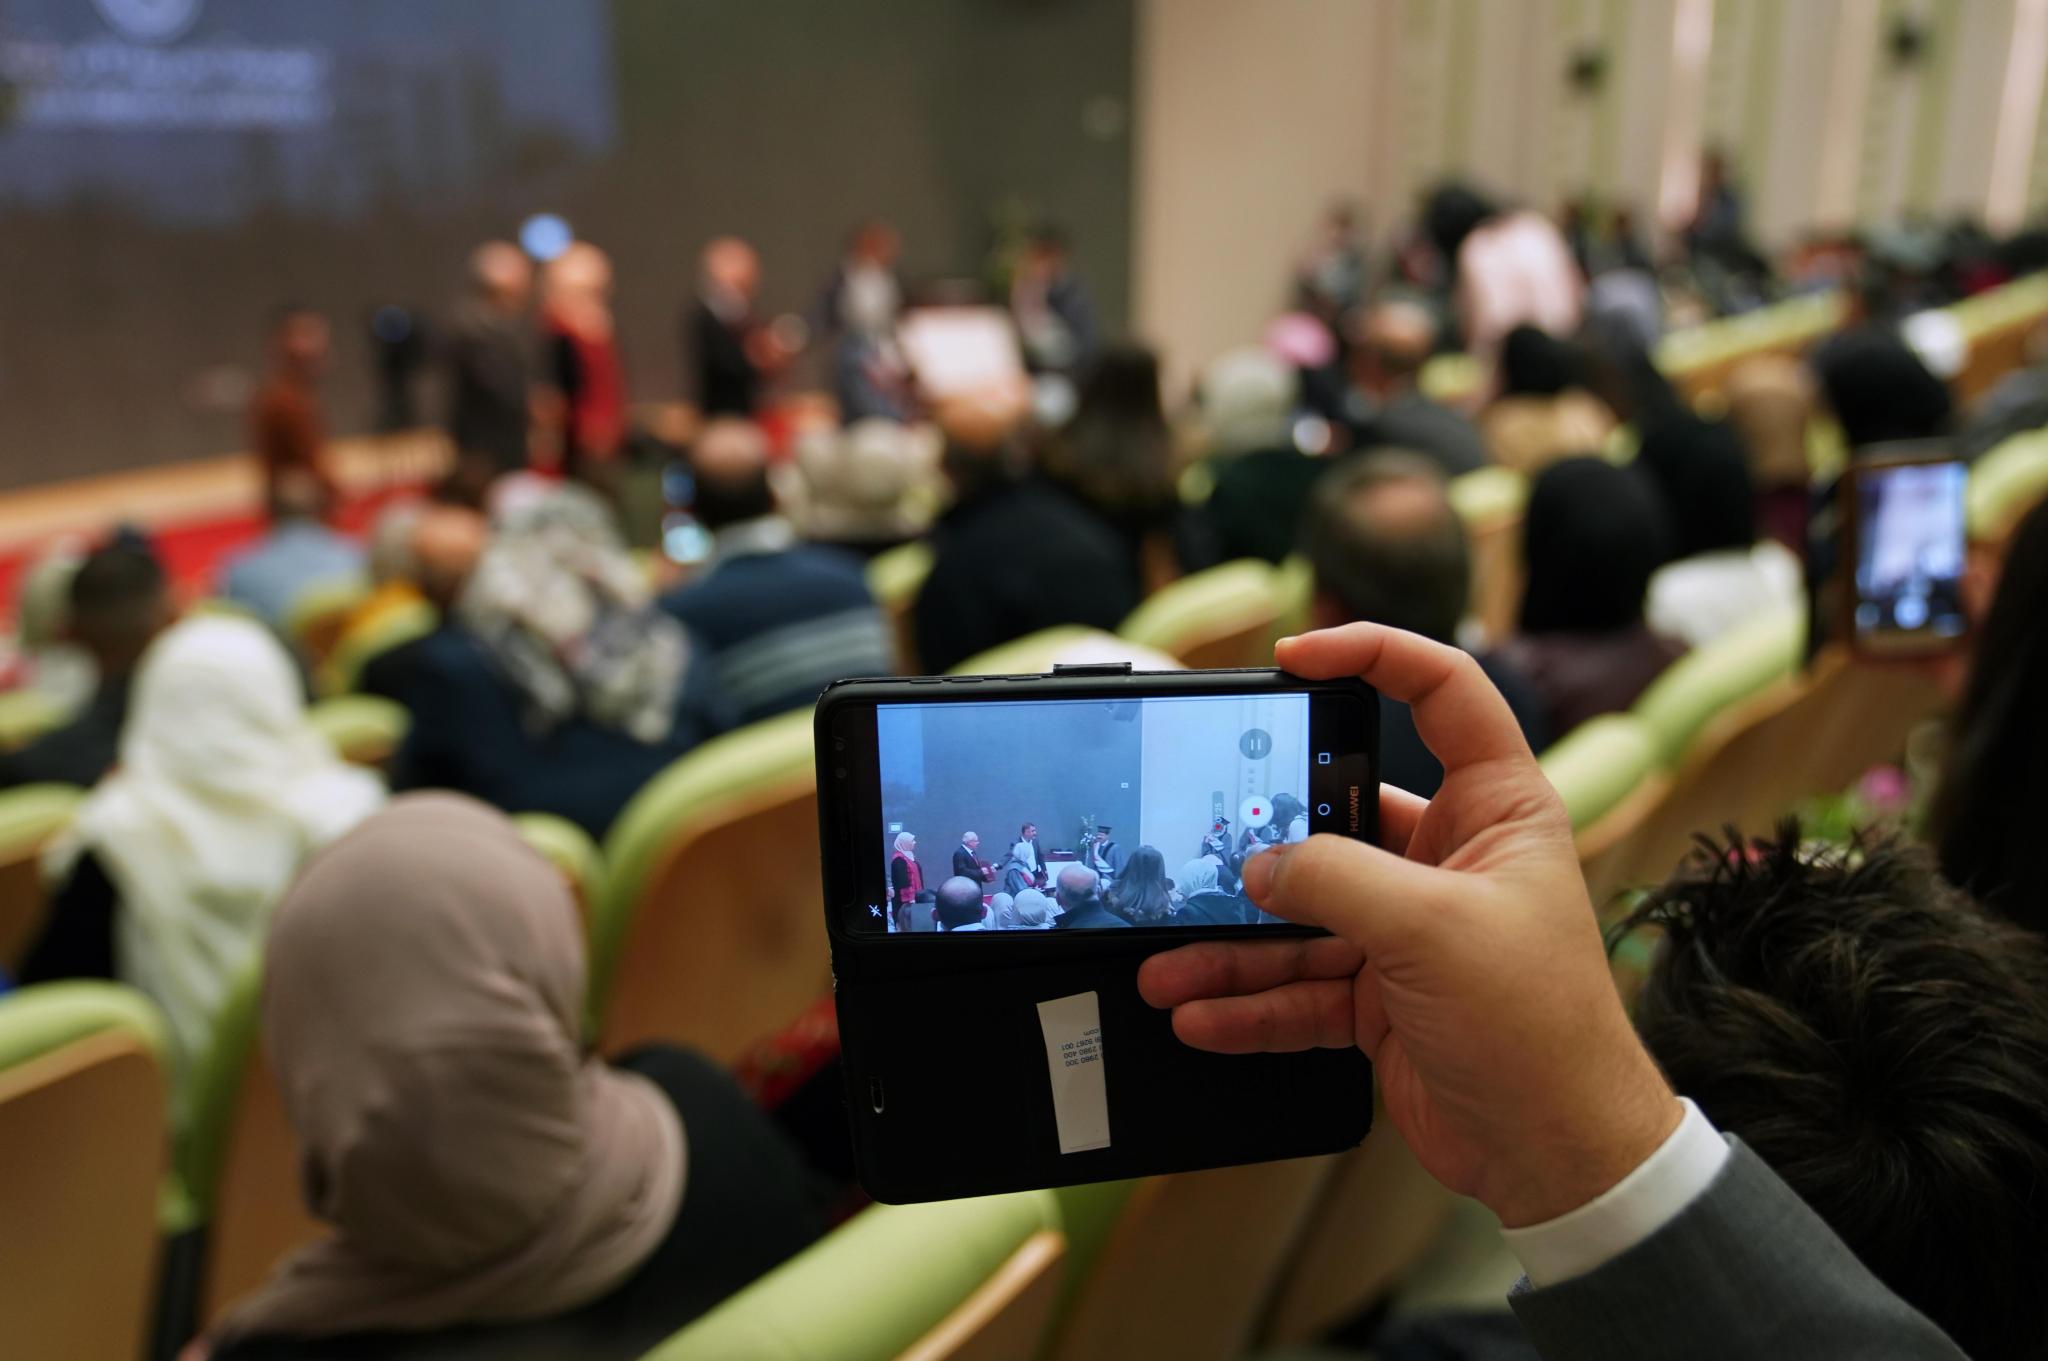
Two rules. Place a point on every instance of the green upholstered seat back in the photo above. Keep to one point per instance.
(871, 1288)
(1707, 680)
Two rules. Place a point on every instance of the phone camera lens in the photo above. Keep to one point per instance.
(839, 744)
(839, 773)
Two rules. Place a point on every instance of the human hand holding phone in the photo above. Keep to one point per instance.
(1465, 959)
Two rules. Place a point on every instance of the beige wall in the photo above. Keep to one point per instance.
(1251, 119)
(1252, 115)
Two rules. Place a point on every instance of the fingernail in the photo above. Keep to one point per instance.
(1285, 641)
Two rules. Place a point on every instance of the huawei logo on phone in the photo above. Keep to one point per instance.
(1354, 810)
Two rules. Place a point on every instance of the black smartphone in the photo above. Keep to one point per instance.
(1905, 512)
(1000, 855)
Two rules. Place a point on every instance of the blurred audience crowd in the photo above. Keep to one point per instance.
(597, 585)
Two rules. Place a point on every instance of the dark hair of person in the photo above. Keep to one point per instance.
(730, 500)
(1879, 390)
(1408, 565)
(118, 598)
(1140, 895)
(1286, 808)
(1989, 806)
(1622, 372)
(1591, 538)
(1454, 211)
(1702, 468)
(1116, 453)
(1882, 1043)
(1534, 363)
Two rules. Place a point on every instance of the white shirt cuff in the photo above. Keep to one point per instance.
(1628, 1212)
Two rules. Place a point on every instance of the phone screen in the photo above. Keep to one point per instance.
(1092, 814)
(1911, 544)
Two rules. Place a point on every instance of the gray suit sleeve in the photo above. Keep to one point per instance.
(1746, 1271)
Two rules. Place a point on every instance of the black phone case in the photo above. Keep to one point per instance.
(947, 1083)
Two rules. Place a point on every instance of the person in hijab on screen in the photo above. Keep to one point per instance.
(491, 1188)
(558, 686)
(1592, 536)
(172, 866)
(1031, 911)
(1202, 899)
(1724, 573)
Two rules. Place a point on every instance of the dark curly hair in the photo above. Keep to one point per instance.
(1882, 1043)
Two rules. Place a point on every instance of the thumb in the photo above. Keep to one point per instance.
(1370, 896)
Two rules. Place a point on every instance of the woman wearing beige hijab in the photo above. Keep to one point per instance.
(493, 1189)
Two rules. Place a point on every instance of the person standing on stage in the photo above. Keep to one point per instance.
(1026, 865)
(490, 367)
(967, 861)
(906, 880)
(287, 421)
(1228, 862)
(1103, 855)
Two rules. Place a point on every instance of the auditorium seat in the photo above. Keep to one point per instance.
(1707, 681)
(1374, 1219)
(1294, 583)
(2006, 483)
(1453, 379)
(354, 649)
(894, 579)
(1609, 773)
(1068, 645)
(1222, 617)
(1805, 734)
(1490, 502)
(1698, 359)
(82, 1143)
(1996, 325)
(318, 614)
(710, 930)
(954, 1280)
(237, 1158)
(571, 851)
(1182, 1266)
(364, 730)
(25, 715)
(30, 817)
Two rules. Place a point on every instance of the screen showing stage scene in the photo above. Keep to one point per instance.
(1909, 561)
(1085, 814)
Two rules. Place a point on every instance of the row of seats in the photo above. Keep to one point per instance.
(688, 942)
(1211, 1263)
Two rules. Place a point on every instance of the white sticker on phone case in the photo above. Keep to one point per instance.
(1073, 1056)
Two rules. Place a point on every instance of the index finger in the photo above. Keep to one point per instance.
(1459, 715)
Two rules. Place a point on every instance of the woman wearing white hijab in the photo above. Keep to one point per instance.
(1202, 899)
(222, 789)
(493, 1189)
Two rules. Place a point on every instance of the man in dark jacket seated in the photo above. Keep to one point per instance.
(1388, 548)
(1080, 905)
(1015, 554)
(119, 602)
